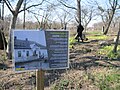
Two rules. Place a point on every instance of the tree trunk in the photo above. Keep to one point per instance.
(65, 26)
(108, 25)
(3, 43)
(12, 26)
(24, 15)
(13, 23)
(85, 28)
(79, 11)
(117, 40)
(111, 15)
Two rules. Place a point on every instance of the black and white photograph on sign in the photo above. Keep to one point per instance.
(30, 51)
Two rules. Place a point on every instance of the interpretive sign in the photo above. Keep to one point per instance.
(38, 49)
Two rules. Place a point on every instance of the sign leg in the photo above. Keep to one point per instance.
(40, 79)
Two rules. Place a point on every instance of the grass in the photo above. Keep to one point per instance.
(98, 37)
(109, 80)
(107, 50)
(71, 41)
(95, 33)
(61, 85)
(98, 78)
(91, 35)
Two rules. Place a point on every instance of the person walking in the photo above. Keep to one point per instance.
(79, 32)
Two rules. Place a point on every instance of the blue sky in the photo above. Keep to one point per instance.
(32, 35)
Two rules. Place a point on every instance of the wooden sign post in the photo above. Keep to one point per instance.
(40, 79)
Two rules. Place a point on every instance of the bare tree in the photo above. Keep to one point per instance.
(76, 8)
(65, 17)
(15, 11)
(88, 14)
(47, 19)
(107, 15)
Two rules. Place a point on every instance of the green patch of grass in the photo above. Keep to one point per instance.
(104, 50)
(61, 85)
(110, 81)
(71, 41)
(113, 55)
(95, 33)
(99, 79)
(98, 37)
(107, 50)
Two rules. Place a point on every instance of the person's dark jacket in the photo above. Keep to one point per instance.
(80, 29)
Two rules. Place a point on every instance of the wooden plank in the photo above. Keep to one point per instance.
(40, 79)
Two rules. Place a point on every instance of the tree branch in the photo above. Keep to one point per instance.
(8, 5)
(32, 6)
(38, 15)
(67, 5)
(18, 5)
(76, 19)
(37, 20)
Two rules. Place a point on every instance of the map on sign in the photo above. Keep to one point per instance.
(38, 49)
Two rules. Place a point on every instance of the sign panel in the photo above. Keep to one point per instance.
(38, 49)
